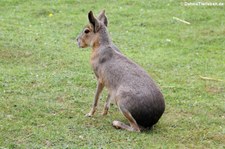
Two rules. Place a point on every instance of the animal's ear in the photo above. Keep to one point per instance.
(103, 18)
(94, 22)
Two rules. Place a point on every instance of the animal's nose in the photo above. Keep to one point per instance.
(77, 38)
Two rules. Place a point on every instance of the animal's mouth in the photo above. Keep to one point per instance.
(79, 44)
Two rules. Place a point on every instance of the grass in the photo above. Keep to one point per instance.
(47, 85)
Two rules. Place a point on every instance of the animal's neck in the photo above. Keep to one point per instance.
(101, 40)
(104, 37)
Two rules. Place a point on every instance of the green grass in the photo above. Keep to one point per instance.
(47, 85)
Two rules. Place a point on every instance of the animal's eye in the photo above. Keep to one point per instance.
(86, 31)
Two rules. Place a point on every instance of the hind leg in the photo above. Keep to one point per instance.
(133, 124)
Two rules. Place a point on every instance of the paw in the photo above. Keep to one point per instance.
(89, 115)
(116, 124)
(105, 110)
(104, 113)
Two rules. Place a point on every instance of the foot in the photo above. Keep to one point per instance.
(104, 112)
(89, 114)
(117, 124)
(120, 125)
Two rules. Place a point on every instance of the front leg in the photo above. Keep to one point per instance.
(107, 105)
(99, 89)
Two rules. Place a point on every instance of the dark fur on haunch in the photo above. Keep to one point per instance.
(135, 93)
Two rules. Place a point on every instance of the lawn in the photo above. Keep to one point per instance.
(47, 85)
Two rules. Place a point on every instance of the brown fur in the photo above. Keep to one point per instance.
(135, 93)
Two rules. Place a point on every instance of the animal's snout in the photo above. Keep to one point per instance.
(77, 38)
(78, 42)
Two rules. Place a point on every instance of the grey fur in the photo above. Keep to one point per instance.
(135, 93)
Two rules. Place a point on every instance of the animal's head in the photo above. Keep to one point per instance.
(91, 32)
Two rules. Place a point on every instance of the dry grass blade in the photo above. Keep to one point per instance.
(211, 79)
(183, 21)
